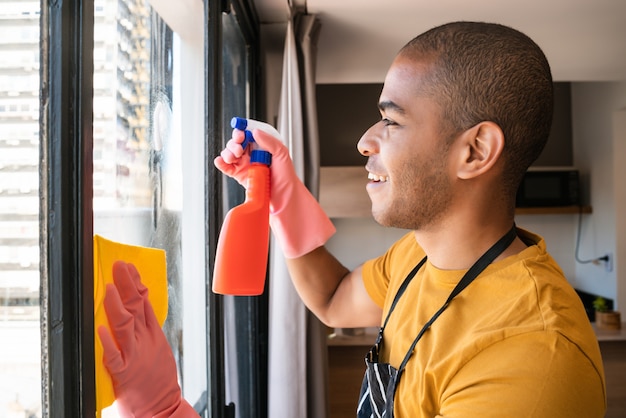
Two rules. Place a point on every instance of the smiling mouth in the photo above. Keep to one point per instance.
(376, 178)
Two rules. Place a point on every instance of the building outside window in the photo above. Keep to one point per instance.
(20, 341)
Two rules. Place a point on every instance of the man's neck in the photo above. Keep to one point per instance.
(457, 245)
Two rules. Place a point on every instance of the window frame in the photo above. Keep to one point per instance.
(66, 212)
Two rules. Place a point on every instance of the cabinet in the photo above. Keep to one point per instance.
(613, 349)
(346, 365)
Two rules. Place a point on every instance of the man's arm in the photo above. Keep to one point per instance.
(334, 294)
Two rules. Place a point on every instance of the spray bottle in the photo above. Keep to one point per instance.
(243, 243)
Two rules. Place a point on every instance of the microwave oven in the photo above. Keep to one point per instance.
(549, 187)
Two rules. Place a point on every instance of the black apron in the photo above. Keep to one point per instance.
(381, 379)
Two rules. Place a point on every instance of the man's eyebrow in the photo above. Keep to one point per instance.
(387, 105)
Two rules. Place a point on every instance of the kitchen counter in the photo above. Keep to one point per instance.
(611, 335)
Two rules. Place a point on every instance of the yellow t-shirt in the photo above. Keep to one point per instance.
(515, 343)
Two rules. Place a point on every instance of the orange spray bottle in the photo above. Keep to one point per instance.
(243, 243)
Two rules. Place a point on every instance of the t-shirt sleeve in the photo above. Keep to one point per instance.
(374, 280)
(377, 273)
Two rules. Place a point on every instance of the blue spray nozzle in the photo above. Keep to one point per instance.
(261, 156)
(242, 124)
(239, 123)
(246, 125)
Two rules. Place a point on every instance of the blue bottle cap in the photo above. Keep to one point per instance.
(261, 156)
(239, 123)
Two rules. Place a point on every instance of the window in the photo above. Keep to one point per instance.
(149, 160)
(133, 99)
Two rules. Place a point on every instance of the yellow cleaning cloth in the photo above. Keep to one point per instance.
(150, 263)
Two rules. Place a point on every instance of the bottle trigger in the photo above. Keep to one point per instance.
(247, 139)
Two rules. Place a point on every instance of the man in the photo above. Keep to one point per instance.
(477, 319)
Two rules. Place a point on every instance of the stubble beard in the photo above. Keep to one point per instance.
(424, 197)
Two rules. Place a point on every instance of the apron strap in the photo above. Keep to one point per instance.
(474, 271)
(402, 288)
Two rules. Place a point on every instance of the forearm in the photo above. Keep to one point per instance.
(331, 291)
(316, 277)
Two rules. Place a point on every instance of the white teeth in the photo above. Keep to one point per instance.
(376, 177)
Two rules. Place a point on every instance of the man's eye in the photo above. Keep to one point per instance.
(387, 122)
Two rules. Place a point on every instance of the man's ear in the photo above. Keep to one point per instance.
(480, 148)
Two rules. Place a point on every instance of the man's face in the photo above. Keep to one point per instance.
(407, 154)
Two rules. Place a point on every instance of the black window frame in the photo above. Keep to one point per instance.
(66, 212)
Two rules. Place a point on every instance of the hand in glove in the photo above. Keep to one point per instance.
(137, 355)
(296, 218)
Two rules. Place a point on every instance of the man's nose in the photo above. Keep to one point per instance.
(368, 144)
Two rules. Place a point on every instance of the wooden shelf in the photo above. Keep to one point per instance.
(555, 210)
(610, 334)
(362, 340)
(342, 192)
(343, 195)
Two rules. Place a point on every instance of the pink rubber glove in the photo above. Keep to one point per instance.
(140, 361)
(297, 220)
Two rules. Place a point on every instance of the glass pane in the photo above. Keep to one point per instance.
(143, 132)
(20, 341)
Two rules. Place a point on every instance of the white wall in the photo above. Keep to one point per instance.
(619, 173)
(359, 239)
(595, 142)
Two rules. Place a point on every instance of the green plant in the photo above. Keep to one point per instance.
(600, 305)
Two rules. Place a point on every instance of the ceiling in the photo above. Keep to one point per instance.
(584, 40)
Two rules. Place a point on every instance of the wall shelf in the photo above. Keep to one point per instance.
(342, 192)
(555, 210)
(343, 195)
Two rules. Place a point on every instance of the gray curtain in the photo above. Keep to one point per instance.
(297, 340)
